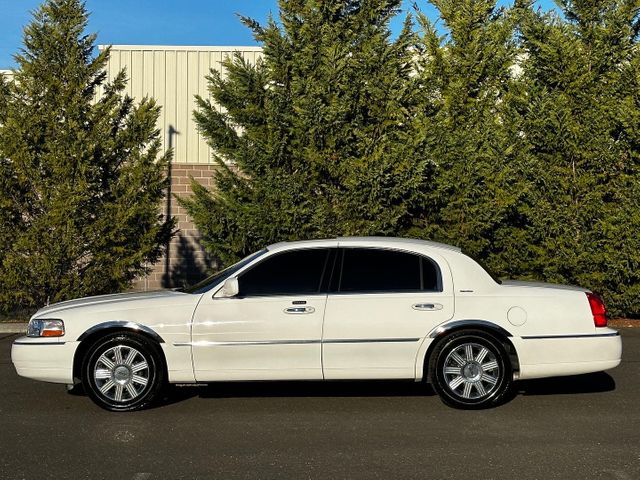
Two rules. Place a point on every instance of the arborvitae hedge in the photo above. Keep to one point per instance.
(472, 133)
(320, 131)
(580, 107)
(81, 181)
(511, 132)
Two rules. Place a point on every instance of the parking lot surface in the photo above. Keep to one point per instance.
(578, 427)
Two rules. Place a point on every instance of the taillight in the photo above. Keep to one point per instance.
(598, 310)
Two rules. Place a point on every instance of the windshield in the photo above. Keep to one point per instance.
(223, 274)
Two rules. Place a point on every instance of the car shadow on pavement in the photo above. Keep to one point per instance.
(575, 384)
(274, 389)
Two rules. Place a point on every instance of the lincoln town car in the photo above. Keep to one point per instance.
(337, 309)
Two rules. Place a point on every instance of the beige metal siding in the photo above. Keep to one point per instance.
(173, 76)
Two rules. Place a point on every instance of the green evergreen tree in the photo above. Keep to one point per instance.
(581, 106)
(320, 131)
(469, 124)
(81, 171)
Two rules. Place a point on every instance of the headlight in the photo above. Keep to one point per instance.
(45, 327)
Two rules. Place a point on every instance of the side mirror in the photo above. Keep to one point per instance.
(230, 288)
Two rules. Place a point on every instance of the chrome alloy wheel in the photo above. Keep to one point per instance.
(471, 371)
(121, 373)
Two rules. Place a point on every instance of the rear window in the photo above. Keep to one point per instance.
(378, 270)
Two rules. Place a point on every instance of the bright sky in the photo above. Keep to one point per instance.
(163, 22)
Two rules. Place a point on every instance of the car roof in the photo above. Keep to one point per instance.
(365, 241)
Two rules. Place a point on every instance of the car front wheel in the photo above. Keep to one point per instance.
(471, 370)
(123, 372)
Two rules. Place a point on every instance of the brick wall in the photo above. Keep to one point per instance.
(186, 262)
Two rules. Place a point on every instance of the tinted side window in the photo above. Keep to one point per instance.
(295, 272)
(374, 270)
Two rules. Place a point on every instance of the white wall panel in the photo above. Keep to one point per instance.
(149, 73)
(169, 102)
(137, 72)
(182, 107)
(191, 135)
(173, 75)
(204, 64)
(160, 89)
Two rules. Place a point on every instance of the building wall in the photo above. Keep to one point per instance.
(173, 75)
(185, 262)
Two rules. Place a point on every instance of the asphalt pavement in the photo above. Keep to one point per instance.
(580, 427)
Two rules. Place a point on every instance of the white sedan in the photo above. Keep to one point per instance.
(345, 308)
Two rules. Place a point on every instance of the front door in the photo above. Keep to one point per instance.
(272, 330)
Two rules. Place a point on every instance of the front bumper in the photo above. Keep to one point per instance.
(43, 359)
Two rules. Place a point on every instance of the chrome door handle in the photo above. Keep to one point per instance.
(299, 310)
(427, 306)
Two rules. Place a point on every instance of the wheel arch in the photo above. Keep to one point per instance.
(489, 328)
(89, 337)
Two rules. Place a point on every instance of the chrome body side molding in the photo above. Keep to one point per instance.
(205, 343)
(581, 335)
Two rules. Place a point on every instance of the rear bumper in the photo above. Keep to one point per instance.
(549, 356)
(49, 361)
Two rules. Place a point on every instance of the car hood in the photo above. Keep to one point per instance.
(105, 299)
(551, 286)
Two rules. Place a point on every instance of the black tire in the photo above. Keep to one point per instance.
(122, 372)
(471, 369)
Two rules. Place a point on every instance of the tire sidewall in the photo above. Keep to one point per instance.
(453, 341)
(146, 348)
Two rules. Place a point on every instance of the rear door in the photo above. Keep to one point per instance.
(382, 304)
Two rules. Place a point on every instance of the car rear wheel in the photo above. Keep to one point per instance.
(123, 372)
(471, 370)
